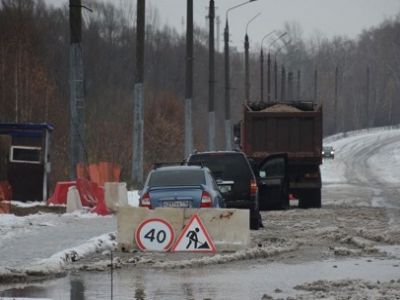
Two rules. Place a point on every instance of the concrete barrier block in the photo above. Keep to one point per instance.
(129, 218)
(116, 195)
(228, 228)
(73, 200)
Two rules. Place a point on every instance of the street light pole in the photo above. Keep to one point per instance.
(262, 65)
(211, 51)
(138, 122)
(189, 80)
(228, 129)
(275, 68)
(246, 53)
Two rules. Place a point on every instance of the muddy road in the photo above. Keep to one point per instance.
(348, 249)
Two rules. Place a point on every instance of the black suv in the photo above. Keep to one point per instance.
(235, 178)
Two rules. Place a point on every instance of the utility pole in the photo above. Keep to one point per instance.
(316, 86)
(336, 97)
(211, 51)
(367, 96)
(218, 20)
(290, 85)
(283, 85)
(228, 127)
(262, 75)
(269, 77)
(262, 65)
(189, 80)
(246, 67)
(276, 79)
(76, 82)
(138, 119)
(298, 87)
(228, 133)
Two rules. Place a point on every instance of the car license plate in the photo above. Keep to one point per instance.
(176, 204)
(225, 188)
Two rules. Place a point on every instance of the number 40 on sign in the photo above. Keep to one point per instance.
(154, 235)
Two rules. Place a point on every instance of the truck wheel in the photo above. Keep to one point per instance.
(310, 199)
(285, 203)
(285, 199)
(255, 219)
(315, 198)
(303, 199)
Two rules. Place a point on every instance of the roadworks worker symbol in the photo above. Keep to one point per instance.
(194, 237)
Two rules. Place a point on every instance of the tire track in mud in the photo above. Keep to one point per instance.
(360, 173)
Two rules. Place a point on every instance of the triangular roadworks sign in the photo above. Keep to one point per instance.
(194, 238)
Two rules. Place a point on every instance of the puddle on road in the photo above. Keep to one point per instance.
(234, 281)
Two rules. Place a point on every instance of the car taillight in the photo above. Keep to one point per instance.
(145, 201)
(253, 187)
(205, 199)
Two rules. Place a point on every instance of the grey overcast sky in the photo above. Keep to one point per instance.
(326, 17)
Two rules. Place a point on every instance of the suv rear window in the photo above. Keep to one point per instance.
(226, 166)
(176, 177)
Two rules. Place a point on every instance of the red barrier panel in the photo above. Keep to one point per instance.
(92, 195)
(60, 192)
(5, 191)
(5, 206)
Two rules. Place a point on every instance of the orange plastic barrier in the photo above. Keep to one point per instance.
(60, 192)
(99, 173)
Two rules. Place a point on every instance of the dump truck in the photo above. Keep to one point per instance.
(284, 142)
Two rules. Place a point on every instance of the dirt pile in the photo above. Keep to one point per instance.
(281, 108)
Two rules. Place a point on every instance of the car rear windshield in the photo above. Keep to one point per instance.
(225, 166)
(176, 178)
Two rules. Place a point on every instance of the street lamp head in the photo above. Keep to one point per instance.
(238, 5)
(265, 36)
(277, 39)
(252, 19)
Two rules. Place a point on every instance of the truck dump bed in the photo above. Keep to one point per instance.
(294, 128)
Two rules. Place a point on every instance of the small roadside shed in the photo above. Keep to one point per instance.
(25, 159)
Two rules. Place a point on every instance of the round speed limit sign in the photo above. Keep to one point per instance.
(154, 235)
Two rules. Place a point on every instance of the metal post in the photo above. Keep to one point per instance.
(246, 64)
(247, 68)
(138, 124)
(283, 85)
(276, 80)
(218, 20)
(189, 80)
(336, 98)
(316, 85)
(228, 126)
(77, 103)
(298, 88)
(269, 77)
(262, 75)
(228, 131)
(211, 51)
(262, 64)
(367, 96)
(290, 85)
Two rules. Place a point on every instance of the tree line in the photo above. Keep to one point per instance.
(357, 81)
